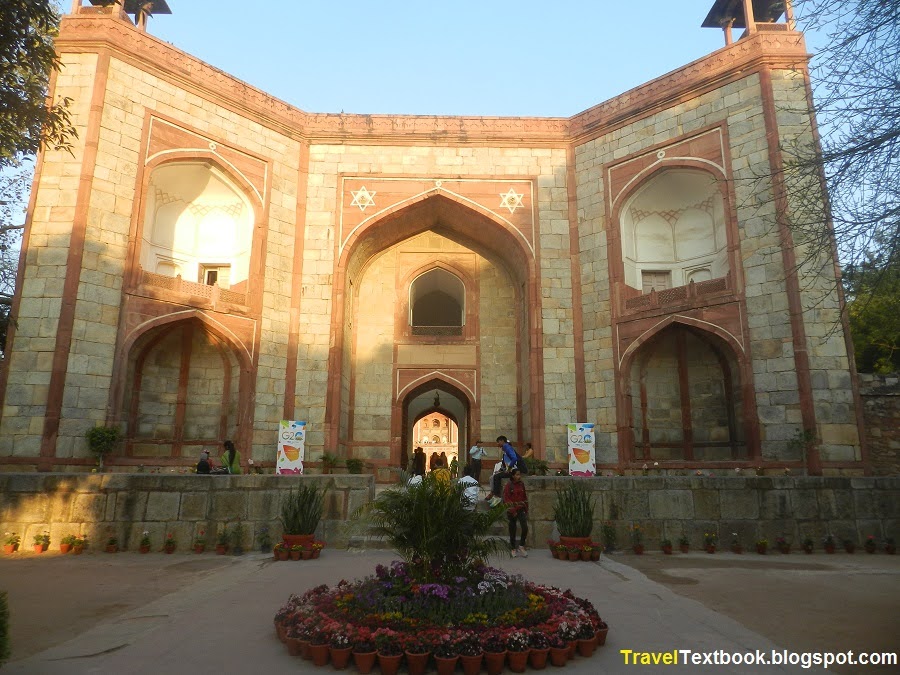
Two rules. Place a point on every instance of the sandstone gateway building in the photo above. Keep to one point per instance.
(211, 260)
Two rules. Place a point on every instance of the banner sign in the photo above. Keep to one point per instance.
(291, 447)
(582, 459)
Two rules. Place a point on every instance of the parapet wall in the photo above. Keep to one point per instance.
(881, 411)
(124, 505)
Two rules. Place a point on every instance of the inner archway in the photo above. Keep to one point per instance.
(435, 401)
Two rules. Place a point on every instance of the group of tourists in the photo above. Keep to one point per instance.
(230, 461)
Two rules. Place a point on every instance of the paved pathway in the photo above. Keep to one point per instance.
(223, 623)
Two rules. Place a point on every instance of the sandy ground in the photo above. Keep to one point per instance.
(803, 603)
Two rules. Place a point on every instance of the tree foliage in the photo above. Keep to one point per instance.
(856, 92)
(873, 292)
(27, 58)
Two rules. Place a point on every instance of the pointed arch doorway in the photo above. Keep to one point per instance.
(435, 399)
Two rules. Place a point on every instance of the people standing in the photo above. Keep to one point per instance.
(516, 500)
(418, 466)
(476, 454)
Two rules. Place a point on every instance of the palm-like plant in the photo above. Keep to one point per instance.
(429, 526)
(574, 511)
(302, 511)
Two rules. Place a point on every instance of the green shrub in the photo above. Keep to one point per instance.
(102, 440)
(573, 511)
(354, 465)
(301, 511)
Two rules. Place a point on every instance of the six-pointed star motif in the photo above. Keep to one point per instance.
(511, 200)
(363, 198)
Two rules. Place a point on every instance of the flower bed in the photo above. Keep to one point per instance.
(482, 610)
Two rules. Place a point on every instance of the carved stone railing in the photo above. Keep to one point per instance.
(678, 295)
(211, 293)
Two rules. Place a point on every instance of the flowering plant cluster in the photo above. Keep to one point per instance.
(12, 539)
(710, 538)
(487, 608)
(145, 538)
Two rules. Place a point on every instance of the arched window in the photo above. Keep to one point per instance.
(436, 423)
(437, 301)
(673, 231)
(197, 224)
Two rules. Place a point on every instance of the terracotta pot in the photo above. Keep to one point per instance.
(65, 548)
(340, 657)
(471, 664)
(112, 548)
(601, 636)
(554, 552)
(784, 548)
(221, 549)
(364, 661)
(389, 664)
(316, 553)
(568, 542)
(294, 555)
(638, 549)
(38, 548)
(284, 554)
(78, 550)
(559, 656)
(710, 548)
(199, 548)
(808, 550)
(415, 662)
(586, 647)
(683, 548)
(144, 549)
(573, 647)
(518, 661)
(829, 549)
(319, 654)
(667, 550)
(304, 649)
(9, 548)
(586, 555)
(737, 549)
(537, 658)
(306, 555)
(169, 548)
(574, 555)
(494, 661)
(293, 646)
(890, 549)
(595, 554)
(870, 548)
(761, 549)
(445, 666)
(849, 548)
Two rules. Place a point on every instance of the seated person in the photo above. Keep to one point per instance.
(203, 466)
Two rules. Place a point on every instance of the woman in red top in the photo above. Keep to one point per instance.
(516, 510)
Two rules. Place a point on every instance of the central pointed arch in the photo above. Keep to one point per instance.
(478, 230)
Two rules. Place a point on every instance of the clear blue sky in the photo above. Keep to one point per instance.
(493, 57)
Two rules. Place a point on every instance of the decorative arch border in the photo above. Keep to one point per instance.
(532, 301)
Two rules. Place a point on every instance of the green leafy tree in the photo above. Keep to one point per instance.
(430, 527)
(27, 58)
(873, 292)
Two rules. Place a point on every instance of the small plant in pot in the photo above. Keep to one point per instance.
(666, 545)
(200, 542)
(301, 511)
(112, 545)
(828, 543)
(354, 465)
(849, 545)
(609, 536)
(170, 543)
(709, 541)
(41, 542)
(263, 539)
(870, 544)
(683, 543)
(783, 545)
(237, 538)
(637, 539)
(807, 545)
(762, 545)
(102, 441)
(222, 541)
(889, 546)
(736, 544)
(11, 542)
(573, 512)
(144, 546)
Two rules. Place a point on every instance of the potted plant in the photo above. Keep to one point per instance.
(471, 654)
(354, 465)
(807, 545)
(849, 545)
(301, 511)
(169, 544)
(282, 552)
(263, 540)
(828, 543)
(608, 531)
(683, 543)
(709, 541)
(494, 647)
(736, 544)
(200, 542)
(112, 545)
(316, 548)
(66, 543)
(390, 653)
(364, 652)
(11, 542)
(586, 551)
(637, 539)
(518, 644)
(666, 545)
(559, 651)
(783, 545)
(540, 649)
(222, 540)
(101, 441)
(41, 542)
(237, 538)
(329, 462)
(79, 543)
(340, 649)
(144, 546)
(889, 546)
(762, 545)
(869, 545)
(596, 548)
(296, 551)
(573, 512)
(446, 654)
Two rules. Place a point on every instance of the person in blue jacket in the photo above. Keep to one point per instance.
(509, 457)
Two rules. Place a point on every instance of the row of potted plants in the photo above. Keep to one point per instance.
(307, 551)
(70, 542)
(586, 552)
(783, 545)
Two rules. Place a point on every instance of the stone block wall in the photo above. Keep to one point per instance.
(881, 412)
(125, 505)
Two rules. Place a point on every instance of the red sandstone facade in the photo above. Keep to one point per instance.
(212, 260)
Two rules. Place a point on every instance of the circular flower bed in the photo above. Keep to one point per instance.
(482, 610)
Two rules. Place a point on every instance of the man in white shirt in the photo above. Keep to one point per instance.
(470, 489)
(476, 454)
